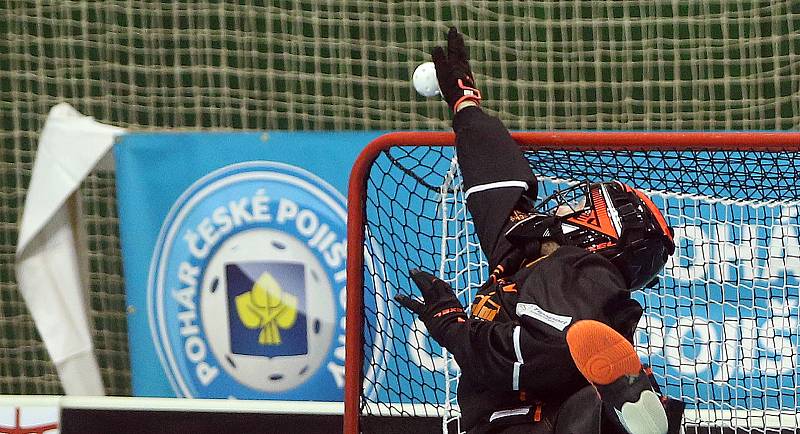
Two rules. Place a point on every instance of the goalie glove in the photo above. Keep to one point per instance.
(452, 70)
(441, 312)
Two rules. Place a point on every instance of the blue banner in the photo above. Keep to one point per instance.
(234, 249)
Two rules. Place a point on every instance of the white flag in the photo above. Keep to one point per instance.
(52, 266)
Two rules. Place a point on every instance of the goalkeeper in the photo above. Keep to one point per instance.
(547, 346)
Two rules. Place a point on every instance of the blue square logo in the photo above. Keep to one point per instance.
(266, 308)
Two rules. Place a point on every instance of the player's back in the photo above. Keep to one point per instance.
(569, 285)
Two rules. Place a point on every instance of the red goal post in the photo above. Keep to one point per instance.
(641, 143)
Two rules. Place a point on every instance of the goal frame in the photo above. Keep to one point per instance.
(750, 141)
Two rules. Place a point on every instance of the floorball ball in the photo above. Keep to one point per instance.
(425, 81)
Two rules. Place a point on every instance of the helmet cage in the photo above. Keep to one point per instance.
(616, 221)
(566, 202)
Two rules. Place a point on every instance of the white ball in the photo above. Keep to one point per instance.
(425, 81)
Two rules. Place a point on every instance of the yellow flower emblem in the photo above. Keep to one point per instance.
(268, 307)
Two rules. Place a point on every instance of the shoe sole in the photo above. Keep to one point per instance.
(600, 353)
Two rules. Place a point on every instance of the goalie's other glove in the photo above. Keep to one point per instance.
(441, 312)
(452, 70)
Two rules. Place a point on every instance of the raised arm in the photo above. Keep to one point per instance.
(497, 178)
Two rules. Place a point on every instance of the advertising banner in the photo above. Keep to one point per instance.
(234, 249)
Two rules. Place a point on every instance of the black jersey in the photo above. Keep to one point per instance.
(516, 356)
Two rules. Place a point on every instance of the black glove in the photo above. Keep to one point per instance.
(452, 70)
(441, 312)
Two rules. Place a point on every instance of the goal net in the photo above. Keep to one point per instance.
(720, 331)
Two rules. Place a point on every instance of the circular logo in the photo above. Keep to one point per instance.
(247, 286)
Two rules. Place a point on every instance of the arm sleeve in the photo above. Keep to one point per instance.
(507, 357)
(495, 173)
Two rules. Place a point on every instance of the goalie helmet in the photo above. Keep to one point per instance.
(617, 221)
